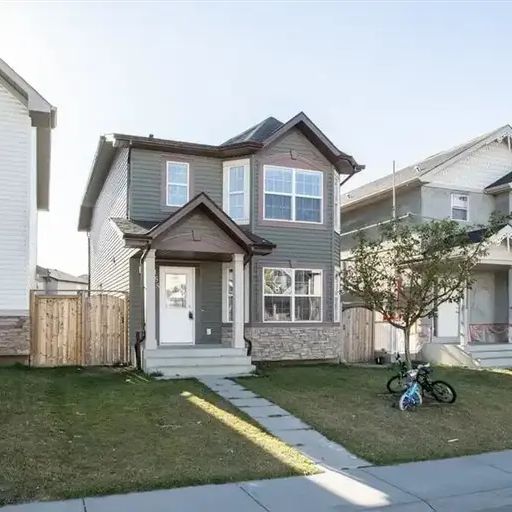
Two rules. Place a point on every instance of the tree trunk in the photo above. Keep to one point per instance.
(407, 337)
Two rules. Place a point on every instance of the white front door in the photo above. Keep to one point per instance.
(448, 320)
(177, 305)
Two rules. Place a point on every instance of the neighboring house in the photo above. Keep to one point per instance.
(214, 243)
(52, 280)
(466, 183)
(26, 121)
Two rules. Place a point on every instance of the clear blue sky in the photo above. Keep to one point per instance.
(384, 80)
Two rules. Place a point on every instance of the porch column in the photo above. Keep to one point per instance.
(149, 300)
(510, 305)
(238, 301)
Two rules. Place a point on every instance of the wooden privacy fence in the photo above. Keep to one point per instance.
(79, 329)
(357, 333)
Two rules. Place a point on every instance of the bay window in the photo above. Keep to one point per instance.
(294, 195)
(236, 187)
(292, 295)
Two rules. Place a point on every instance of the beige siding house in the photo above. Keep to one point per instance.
(465, 183)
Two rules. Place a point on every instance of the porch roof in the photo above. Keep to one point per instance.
(139, 233)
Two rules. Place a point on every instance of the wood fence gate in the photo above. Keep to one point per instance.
(358, 340)
(79, 330)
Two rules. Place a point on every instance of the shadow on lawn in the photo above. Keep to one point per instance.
(71, 432)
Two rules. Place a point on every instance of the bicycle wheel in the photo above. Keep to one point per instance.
(409, 402)
(443, 392)
(396, 384)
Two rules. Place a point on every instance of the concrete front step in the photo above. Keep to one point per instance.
(503, 362)
(197, 361)
(194, 351)
(223, 370)
(190, 362)
(492, 355)
(488, 347)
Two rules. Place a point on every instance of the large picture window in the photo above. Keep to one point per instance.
(177, 183)
(293, 195)
(236, 185)
(292, 295)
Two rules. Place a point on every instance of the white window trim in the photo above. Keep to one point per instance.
(245, 163)
(452, 196)
(292, 297)
(336, 203)
(167, 182)
(293, 195)
(226, 267)
(336, 311)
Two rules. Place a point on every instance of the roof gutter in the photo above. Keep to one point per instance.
(498, 188)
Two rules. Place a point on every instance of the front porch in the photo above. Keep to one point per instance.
(183, 301)
(193, 280)
(481, 325)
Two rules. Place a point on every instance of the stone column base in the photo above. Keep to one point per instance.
(14, 337)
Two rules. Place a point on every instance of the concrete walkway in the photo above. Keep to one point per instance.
(288, 428)
(467, 484)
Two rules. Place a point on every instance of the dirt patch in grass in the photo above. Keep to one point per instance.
(351, 406)
(72, 432)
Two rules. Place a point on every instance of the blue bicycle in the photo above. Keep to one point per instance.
(412, 397)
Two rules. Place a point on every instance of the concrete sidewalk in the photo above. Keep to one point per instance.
(466, 484)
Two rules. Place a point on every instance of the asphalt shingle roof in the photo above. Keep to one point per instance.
(415, 170)
(257, 133)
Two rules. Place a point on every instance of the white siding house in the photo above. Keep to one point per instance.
(26, 120)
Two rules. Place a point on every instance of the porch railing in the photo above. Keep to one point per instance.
(489, 333)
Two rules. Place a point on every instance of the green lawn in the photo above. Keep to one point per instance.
(350, 405)
(71, 432)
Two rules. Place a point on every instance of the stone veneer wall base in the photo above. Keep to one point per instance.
(14, 337)
(303, 343)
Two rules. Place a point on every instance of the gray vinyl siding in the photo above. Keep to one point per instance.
(407, 201)
(209, 302)
(364, 218)
(136, 299)
(298, 245)
(436, 203)
(502, 202)
(108, 257)
(148, 181)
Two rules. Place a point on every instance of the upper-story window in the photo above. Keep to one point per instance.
(460, 203)
(177, 183)
(337, 212)
(293, 195)
(236, 196)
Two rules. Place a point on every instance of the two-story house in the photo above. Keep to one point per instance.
(465, 183)
(219, 244)
(26, 121)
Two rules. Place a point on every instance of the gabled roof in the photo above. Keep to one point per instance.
(150, 230)
(58, 275)
(504, 180)
(44, 117)
(246, 143)
(413, 173)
